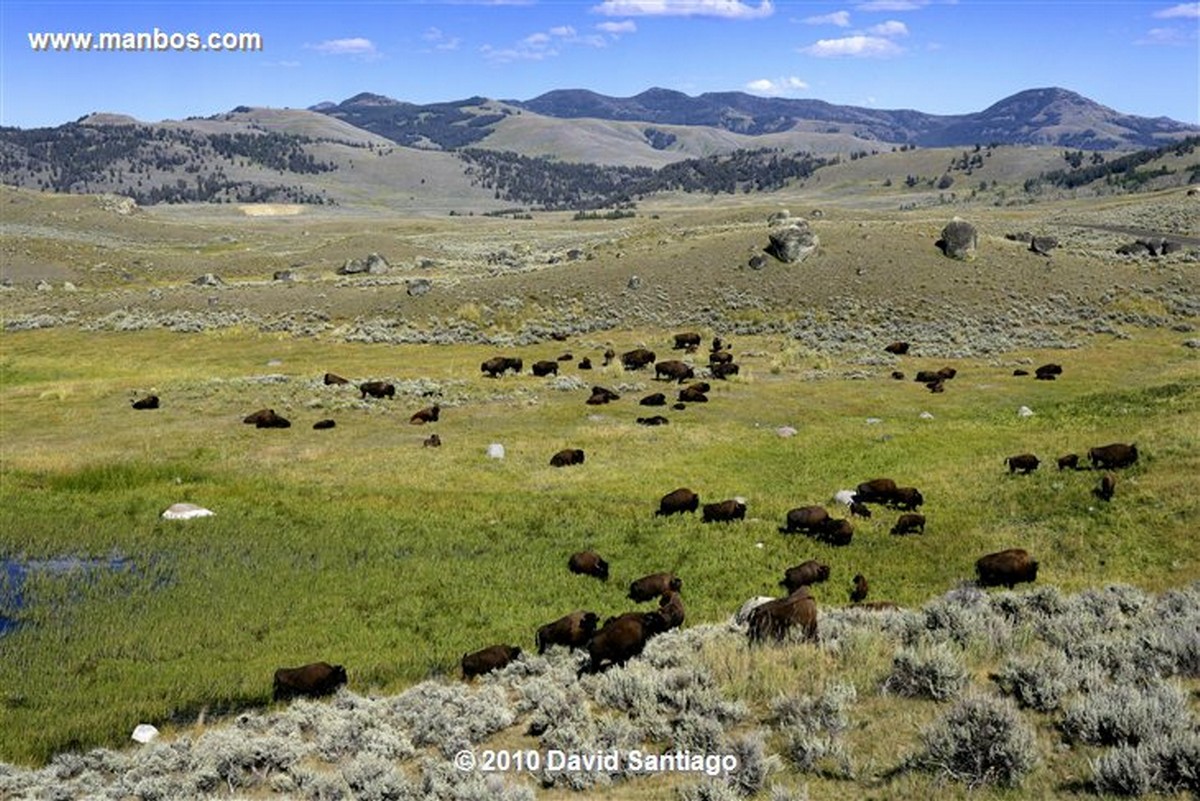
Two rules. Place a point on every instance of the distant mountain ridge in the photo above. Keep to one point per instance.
(1047, 116)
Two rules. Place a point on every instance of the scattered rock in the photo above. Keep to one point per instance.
(185, 511)
(69, 287)
(925, 416)
(786, 431)
(1042, 245)
(794, 243)
(757, 262)
(495, 451)
(352, 267)
(634, 282)
(1192, 343)
(144, 733)
(377, 265)
(44, 286)
(416, 287)
(208, 279)
(284, 275)
(1024, 411)
(959, 240)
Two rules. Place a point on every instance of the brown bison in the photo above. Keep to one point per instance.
(656, 420)
(673, 370)
(775, 619)
(564, 357)
(1070, 461)
(686, 340)
(692, 394)
(427, 415)
(877, 490)
(312, 680)
(897, 348)
(656, 399)
(654, 585)
(331, 379)
(267, 418)
(805, 519)
(488, 659)
(585, 363)
(545, 368)
(907, 498)
(609, 355)
(678, 501)
(1106, 488)
(588, 563)
(897, 375)
(1025, 462)
(637, 358)
(946, 373)
(720, 357)
(670, 607)
(1048, 372)
(723, 371)
(858, 509)
(858, 592)
(804, 574)
(377, 389)
(622, 638)
(1018, 373)
(601, 396)
(1007, 568)
(573, 631)
(324, 424)
(567, 457)
(1113, 456)
(909, 523)
(148, 402)
(432, 441)
(936, 386)
(724, 511)
(927, 376)
(836, 532)
(498, 365)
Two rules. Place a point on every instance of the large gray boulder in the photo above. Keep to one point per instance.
(793, 243)
(959, 240)
(377, 265)
(418, 286)
(208, 279)
(352, 267)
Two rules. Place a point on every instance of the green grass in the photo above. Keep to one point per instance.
(360, 547)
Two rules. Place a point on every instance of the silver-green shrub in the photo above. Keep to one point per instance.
(934, 672)
(980, 740)
(1167, 764)
(1125, 714)
(1038, 682)
(452, 716)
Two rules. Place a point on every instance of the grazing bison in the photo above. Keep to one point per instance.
(723, 371)
(775, 619)
(1019, 372)
(1070, 461)
(946, 373)
(1025, 462)
(497, 365)
(545, 368)
(656, 420)
(148, 402)
(573, 631)
(427, 415)
(654, 585)
(564, 357)
(673, 370)
(266, 418)
(907, 498)
(1048, 372)
(588, 563)
(637, 358)
(804, 574)
(622, 638)
(333, 378)
(724, 511)
(936, 386)
(686, 340)
(323, 424)
(488, 659)
(1007, 568)
(377, 389)
(585, 363)
(720, 357)
(877, 490)
(677, 502)
(897, 375)
(601, 396)
(567, 457)
(432, 441)
(897, 348)
(609, 355)
(927, 376)
(670, 607)
(1108, 485)
(312, 680)
(692, 394)
(1113, 456)
(860, 510)
(805, 519)
(836, 532)
(657, 399)
(909, 523)
(858, 593)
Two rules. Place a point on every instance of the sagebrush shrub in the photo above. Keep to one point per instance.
(1166, 764)
(1126, 714)
(828, 712)
(1039, 682)
(981, 740)
(708, 790)
(754, 763)
(931, 672)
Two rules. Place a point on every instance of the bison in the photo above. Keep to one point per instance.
(836, 532)
(877, 490)
(656, 399)
(723, 371)
(654, 585)
(804, 574)
(673, 370)
(946, 373)
(585, 363)
(427, 415)
(1113, 456)
(332, 379)
(498, 365)
(927, 376)
(686, 340)
(600, 396)
(805, 519)
(377, 389)
(858, 509)
(609, 355)
(720, 357)
(776, 618)
(320, 425)
(858, 592)
(545, 368)
(1025, 462)
(637, 358)
(148, 402)
(588, 563)
(311, 680)
(1007, 568)
(897, 375)
(1070, 461)
(909, 523)
(267, 418)
(677, 502)
(567, 457)
(724, 511)
(432, 441)
(622, 638)
(488, 659)
(656, 420)
(573, 631)
(907, 498)
(1019, 373)
(897, 348)
(1108, 485)
(670, 607)
(1048, 372)
(692, 394)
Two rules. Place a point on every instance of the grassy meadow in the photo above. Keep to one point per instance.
(359, 546)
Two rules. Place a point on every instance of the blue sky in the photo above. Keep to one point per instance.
(938, 56)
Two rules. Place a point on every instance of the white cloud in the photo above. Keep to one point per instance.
(854, 46)
(617, 28)
(892, 5)
(729, 9)
(565, 31)
(890, 28)
(838, 18)
(356, 46)
(542, 45)
(1166, 36)
(1185, 10)
(777, 86)
(440, 41)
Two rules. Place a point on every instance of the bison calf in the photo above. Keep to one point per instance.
(588, 563)
(567, 457)
(312, 680)
(909, 523)
(1006, 568)
(432, 441)
(656, 420)
(1024, 462)
(321, 425)
(1108, 485)
(1070, 461)
(488, 659)
(858, 592)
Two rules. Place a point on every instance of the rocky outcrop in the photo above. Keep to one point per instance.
(791, 241)
(959, 240)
